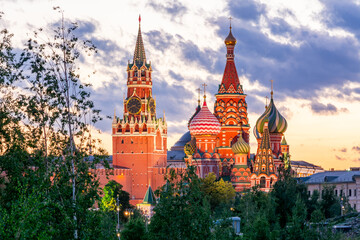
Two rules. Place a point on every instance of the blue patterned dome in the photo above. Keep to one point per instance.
(277, 123)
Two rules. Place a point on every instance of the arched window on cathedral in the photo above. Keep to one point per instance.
(262, 182)
(122, 141)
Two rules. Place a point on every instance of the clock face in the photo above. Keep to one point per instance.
(152, 106)
(133, 105)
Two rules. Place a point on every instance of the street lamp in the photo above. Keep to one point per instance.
(118, 218)
(129, 213)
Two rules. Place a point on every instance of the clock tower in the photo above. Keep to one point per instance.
(139, 138)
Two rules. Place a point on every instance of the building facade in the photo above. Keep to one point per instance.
(345, 183)
(216, 142)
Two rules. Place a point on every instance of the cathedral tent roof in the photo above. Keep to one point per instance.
(139, 53)
(149, 197)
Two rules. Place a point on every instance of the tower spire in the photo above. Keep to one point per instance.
(230, 76)
(204, 85)
(139, 53)
(272, 88)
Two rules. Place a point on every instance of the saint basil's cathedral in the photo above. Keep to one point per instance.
(216, 142)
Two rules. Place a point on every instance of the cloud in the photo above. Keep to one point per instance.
(159, 40)
(340, 158)
(344, 14)
(344, 150)
(246, 9)
(356, 149)
(329, 109)
(172, 8)
(308, 61)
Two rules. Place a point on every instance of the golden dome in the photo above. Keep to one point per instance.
(230, 39)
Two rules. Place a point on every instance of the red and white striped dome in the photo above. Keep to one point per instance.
(204, 123)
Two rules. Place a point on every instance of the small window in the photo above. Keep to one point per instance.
(336, 192)
(349, 192)
(355, 192)
(132, 141)
(309, 193)
(341, 193)
(122, 141)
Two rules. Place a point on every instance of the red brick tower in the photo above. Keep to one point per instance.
(140, 139)
(231, 109)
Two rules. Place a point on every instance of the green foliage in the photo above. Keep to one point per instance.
(330, 204)
(219, 193)
(113, 191)
(284, 194)
(134, 230)
(183, 211)
(45, 115)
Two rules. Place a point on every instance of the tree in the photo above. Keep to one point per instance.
(51, 127)
(284, 192)
(112, 192)
(134, 230)
(296, 228)
(183, 211)
(330, 204)
(219, 193)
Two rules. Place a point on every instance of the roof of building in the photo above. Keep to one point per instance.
(139, 53)
(149, 197)
(240, 147)
(204, 123)
(277, 123)
(331, 177)
(179, 145)
(175, 155)
(304, 164)
(230, 39)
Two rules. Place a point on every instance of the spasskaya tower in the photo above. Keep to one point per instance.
(139, 138)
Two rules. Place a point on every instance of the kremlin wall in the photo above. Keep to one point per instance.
(217, 142)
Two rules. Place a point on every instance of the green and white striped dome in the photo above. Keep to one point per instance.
(277, 123)
(240, 147)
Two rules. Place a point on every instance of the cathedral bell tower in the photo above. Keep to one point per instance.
(230, 109)
(139, 139)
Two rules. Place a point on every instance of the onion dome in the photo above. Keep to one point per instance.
(197, 110)
(230, 39)
(240, 147)
(256, 133)
(190, 147)
(204, 123)
(277, 123)
(283, 142)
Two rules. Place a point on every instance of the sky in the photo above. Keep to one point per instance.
(310, 48)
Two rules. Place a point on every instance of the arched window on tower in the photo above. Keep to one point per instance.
(262, 182)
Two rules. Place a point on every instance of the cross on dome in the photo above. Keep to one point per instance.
(204, 85)
(230, 21)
